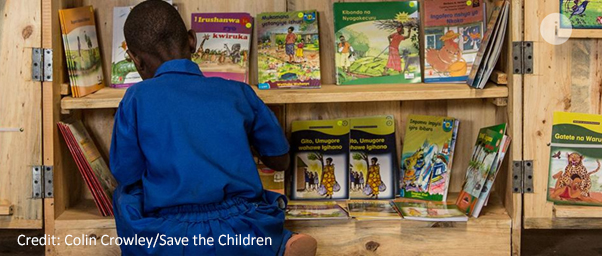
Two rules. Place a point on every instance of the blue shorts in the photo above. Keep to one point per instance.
(237, 218)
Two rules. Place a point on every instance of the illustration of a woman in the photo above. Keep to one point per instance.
(328, 178)
(374, 178)
(395, 39)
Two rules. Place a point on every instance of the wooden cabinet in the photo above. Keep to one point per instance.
(72, 211)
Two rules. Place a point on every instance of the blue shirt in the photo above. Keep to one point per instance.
(187, 137)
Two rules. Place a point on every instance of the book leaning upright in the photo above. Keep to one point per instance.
(491, 48)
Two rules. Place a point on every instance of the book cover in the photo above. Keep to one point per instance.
(288, 50)
(575, 155)
(314, 210)
(453, 31)
(580, 14)
(495, 168)
(491, 48)
(483, 159)
(372, 210)
(82, 52)
(373, 167)
(429, 210)
(377, 43)
(223, 44)
(427, 156)
(320, 159)
(270, 179)
(123, 70)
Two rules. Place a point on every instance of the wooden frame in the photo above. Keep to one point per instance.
(497, 230)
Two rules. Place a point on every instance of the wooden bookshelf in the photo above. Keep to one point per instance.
(110, 98)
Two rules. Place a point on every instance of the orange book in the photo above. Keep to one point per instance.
(82, 51)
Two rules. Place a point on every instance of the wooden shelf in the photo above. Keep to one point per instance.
(110, 98)
(85, 215)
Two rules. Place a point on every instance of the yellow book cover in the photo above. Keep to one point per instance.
(82, 50)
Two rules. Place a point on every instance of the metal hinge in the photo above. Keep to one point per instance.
(522, 177)
(42, 181)
(41, 66)
(522, 57)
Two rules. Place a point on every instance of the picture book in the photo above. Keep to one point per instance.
(426, 160)
(453, 31)
(429, 210)
(483, 160)
(580, 14)
(288, 50)
(491, 48)
(92, 167)
(372, 210)
(223, 44)
(377, 42)
(123, 70)
(270, 179)
(320, 159)
(575, 155)
(373, 164)
(82, 52)
(305, 210)
(495, 168)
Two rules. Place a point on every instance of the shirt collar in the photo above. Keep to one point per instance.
(179, 66)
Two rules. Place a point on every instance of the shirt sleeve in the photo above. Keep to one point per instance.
(126, 158)
(265, 134)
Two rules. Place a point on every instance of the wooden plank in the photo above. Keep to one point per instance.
(571, 73)
(573, 211)
(579, 33)
(89, 234)
(110, 98)
(6, 209)
(21, 110)
(563, 223)
(499, 77)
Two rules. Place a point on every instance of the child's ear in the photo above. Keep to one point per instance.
(192, 40)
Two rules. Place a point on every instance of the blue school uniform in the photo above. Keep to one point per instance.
(180, 153)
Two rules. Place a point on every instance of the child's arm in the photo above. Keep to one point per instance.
(266, 135)
(126, 158)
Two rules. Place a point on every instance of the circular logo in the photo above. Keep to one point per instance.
(389, 123)
(469, 3)
(550, 25)
(340, 123)
(309, 17)
(300, 15)
(412, 4)
(248, 25)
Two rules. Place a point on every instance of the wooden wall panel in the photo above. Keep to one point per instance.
(567, 78)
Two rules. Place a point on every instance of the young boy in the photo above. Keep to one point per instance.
(181, 153)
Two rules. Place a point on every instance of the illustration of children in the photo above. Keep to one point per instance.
(291, 39)
(299, 53)
(570, 192)
(395, 40)
(346, 51)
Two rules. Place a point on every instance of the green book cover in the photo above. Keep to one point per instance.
(377, 43)
(428, 148)
(320, 159)
(373, 156)
(288, 50)
(484, 155)
(574, 176)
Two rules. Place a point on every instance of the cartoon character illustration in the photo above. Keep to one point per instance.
(290, 40)
(328, 178)
(374, 178)
(413, 167)
(299, 51)
(439, 167)
(346, 51)
(579, 9)
(395, 39)
(448, 59)
(575, 167)
(233, 53)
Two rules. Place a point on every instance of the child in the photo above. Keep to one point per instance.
(181, 152)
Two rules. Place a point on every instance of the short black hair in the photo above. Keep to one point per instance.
(291, 28)
(155, 26)
(574, 176)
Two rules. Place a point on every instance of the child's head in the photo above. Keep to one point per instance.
(155, 33)
(576, 181)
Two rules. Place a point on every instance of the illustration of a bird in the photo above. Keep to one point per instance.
(580, 10)
(557, 155)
